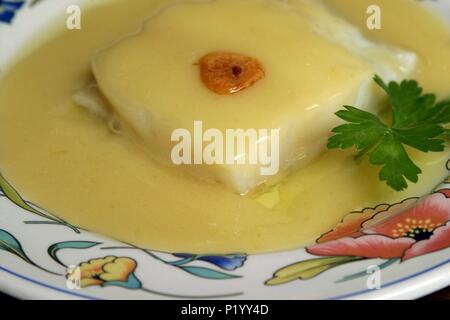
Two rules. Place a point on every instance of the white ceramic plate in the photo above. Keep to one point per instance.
(37, 248)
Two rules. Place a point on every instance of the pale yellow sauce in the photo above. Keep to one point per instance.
(67, 161)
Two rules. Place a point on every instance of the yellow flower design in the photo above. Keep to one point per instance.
(110, 270)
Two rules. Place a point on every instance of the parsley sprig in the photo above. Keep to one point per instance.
(418, 121)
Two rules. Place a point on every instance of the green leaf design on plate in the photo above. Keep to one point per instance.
(53, 249)
(10, 244)
(9, 192)
(207, 273)
(307, 269)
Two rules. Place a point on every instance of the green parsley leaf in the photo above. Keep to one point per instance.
(417, 121)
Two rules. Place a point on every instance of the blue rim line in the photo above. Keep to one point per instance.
(79, 295)
(357, 293)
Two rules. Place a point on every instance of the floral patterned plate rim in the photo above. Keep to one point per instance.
(399, 250)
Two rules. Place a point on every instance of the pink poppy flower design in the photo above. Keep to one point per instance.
(422, 228)
(405, 230)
